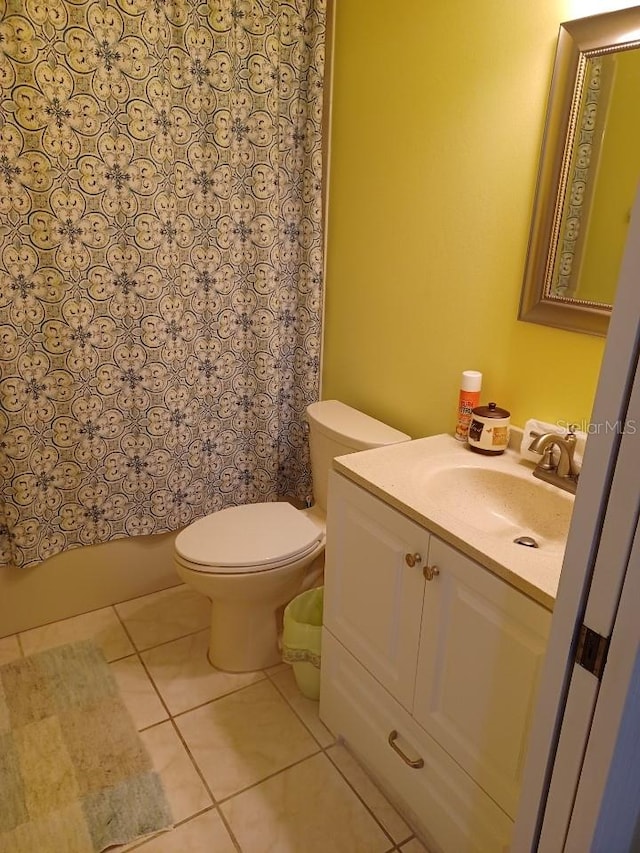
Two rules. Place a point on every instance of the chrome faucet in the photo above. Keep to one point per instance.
(562, 473)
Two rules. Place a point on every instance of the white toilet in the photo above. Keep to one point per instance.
(251, 560)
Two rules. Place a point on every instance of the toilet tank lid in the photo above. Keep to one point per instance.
(342, 423)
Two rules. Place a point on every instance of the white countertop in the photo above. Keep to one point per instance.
(398, 475)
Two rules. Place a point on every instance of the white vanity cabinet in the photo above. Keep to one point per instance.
(431, 682)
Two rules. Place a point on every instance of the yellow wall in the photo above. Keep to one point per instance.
(438, 113)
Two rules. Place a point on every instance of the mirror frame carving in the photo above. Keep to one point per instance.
(578, 42)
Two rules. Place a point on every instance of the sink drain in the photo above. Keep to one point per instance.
(527, 541)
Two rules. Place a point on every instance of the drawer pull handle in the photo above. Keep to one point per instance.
(416, 763)
(412, 559)
(430, 572)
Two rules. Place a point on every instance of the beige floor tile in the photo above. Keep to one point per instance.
(9, 649)
(185, 678)
(203, 834)
(305, 708)
(279, 667)
(164, 615)
(244, 737)
(138, 692)
(103, 626)
(370, 793)
(414, 846)
(307, 808)
(182, 784)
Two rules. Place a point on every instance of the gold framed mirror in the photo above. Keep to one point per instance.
(589, 171)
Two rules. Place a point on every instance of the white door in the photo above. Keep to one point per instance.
(591, 592)
(607, 807)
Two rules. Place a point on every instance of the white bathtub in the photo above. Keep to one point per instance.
(84, 579)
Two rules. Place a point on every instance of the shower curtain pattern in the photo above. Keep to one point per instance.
(160, 262)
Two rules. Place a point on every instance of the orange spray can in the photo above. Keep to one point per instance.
(470, 386)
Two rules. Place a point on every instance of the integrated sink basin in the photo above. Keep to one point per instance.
(502, 503)
(479, 504)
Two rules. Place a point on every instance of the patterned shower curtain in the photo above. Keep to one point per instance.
(160, 262)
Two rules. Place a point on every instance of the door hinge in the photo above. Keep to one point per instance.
(592, 650)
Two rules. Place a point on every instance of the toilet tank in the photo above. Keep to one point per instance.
(336, 429)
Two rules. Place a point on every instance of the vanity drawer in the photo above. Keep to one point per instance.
(452, 813)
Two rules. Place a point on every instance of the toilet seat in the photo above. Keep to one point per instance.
(247, 538)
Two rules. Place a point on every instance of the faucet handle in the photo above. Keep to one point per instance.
(571, 436)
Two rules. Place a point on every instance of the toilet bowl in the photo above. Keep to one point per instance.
(263, 553)
(251, 560)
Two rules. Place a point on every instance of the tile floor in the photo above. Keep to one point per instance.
(246, 763)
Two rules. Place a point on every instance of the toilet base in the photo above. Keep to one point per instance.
(244, 638)
(246, 610)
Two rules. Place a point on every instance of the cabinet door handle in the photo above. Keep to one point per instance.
(416, 763)
(430, 572)
(412, 559)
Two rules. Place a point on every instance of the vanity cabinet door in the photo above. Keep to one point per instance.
(374, 584)
(481, 650)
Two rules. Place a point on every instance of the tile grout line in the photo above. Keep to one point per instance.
(163, 642)
(215, 698)
(92, 610)
(320, 749)
(171, 720)
(365, 804)
(138, 844)
(273, 775)
(225, 800)
(137, 654)
(175, 639)
(325, 750)
(215, 802)
(20, 646)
